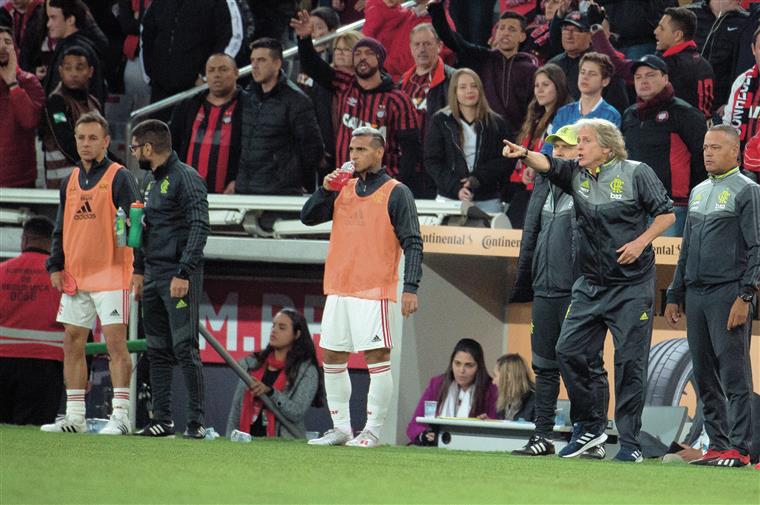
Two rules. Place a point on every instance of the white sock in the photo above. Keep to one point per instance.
(338, 392)
(120, 402)
(75, 402)
(379, 396)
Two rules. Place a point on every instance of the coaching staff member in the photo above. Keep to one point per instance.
(613, 199)
(171, 259)
(716, 277)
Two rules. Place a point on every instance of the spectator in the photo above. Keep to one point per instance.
(507, 74)
(751, 159)
(741, 112)
(719, 28)
(463, 146)
(464, 390)
(746, 59)
(280, 140)
(473, 19)
(287, 372)
(169, 275)
(549, 95)
(349, 10)
(21, 100)
(324, 21)
(539, 41)
(633, 22)
(368, 97)
(576, 41)
(325, 101)
(546, 277)
(37, 51)
(595, 74)
(690, 74)
(426, 82)
(93, 285)
(66, 104)
(178, 37)
(131, 16)
(667, 134)
(31, 341)
(206, 128)
(613, 198)
(271, 17)
(392, 24)
(71, 23)
(716, 279)
(23, 17)
(516, 389)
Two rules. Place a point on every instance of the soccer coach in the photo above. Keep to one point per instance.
(613, 198)
(716, 277)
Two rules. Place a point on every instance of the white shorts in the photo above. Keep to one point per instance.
(354, 324)
(112, 307)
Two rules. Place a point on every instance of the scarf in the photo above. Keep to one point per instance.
(458, 403)
(252, 405)
(648, 110)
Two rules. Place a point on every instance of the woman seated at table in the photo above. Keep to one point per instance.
(287, 372)
(464, 390)
(516, 389)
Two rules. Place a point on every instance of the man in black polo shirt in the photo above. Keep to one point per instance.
(613, 199)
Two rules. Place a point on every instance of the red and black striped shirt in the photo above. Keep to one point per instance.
(210, 140)
(388, 109)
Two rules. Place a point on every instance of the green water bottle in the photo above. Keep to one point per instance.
(136, 212)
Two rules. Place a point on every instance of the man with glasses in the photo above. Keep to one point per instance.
(169, 274)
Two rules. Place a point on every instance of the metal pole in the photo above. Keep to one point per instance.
(296, 431)
(133, 320)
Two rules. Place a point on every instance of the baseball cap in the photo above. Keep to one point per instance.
(566, 134)
(577, 19)
(650, 61)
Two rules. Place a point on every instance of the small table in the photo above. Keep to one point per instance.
(466, 434)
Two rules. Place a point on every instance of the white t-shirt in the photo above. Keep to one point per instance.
(469, 143)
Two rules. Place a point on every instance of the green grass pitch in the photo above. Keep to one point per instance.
(40, 467)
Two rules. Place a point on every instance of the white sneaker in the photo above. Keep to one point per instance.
(116, 425)
(331, 437)
(364, 439)
(66, 424)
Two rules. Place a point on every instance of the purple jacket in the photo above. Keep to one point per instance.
(414, 428)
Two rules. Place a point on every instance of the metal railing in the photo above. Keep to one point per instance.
(244, 72)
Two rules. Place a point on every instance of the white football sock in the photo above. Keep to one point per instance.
(379, 396)
(338, 392)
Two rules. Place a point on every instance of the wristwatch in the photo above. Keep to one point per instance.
(524, 154)
(746, 297)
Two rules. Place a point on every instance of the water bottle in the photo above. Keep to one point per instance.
(240, 436)
(120, 227)
(344, 174)
(211, 433)
(136, 212)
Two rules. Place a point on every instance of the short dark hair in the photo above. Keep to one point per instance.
(377, 139)
(154, 132)
(8, 30)
(225, 55)
(75, 8)
(754, 35)
(518, 17)
(604, 62)
(39, 227)
(328, 15)
(93, 117)
(274, 46)
(78, 51)
(683, 19)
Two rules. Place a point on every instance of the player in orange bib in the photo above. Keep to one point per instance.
(93, 273)
(374, 219)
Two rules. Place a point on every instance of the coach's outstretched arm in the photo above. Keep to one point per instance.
(536, 161)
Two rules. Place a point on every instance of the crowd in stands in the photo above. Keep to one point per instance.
(539, 66)
(445, 82)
